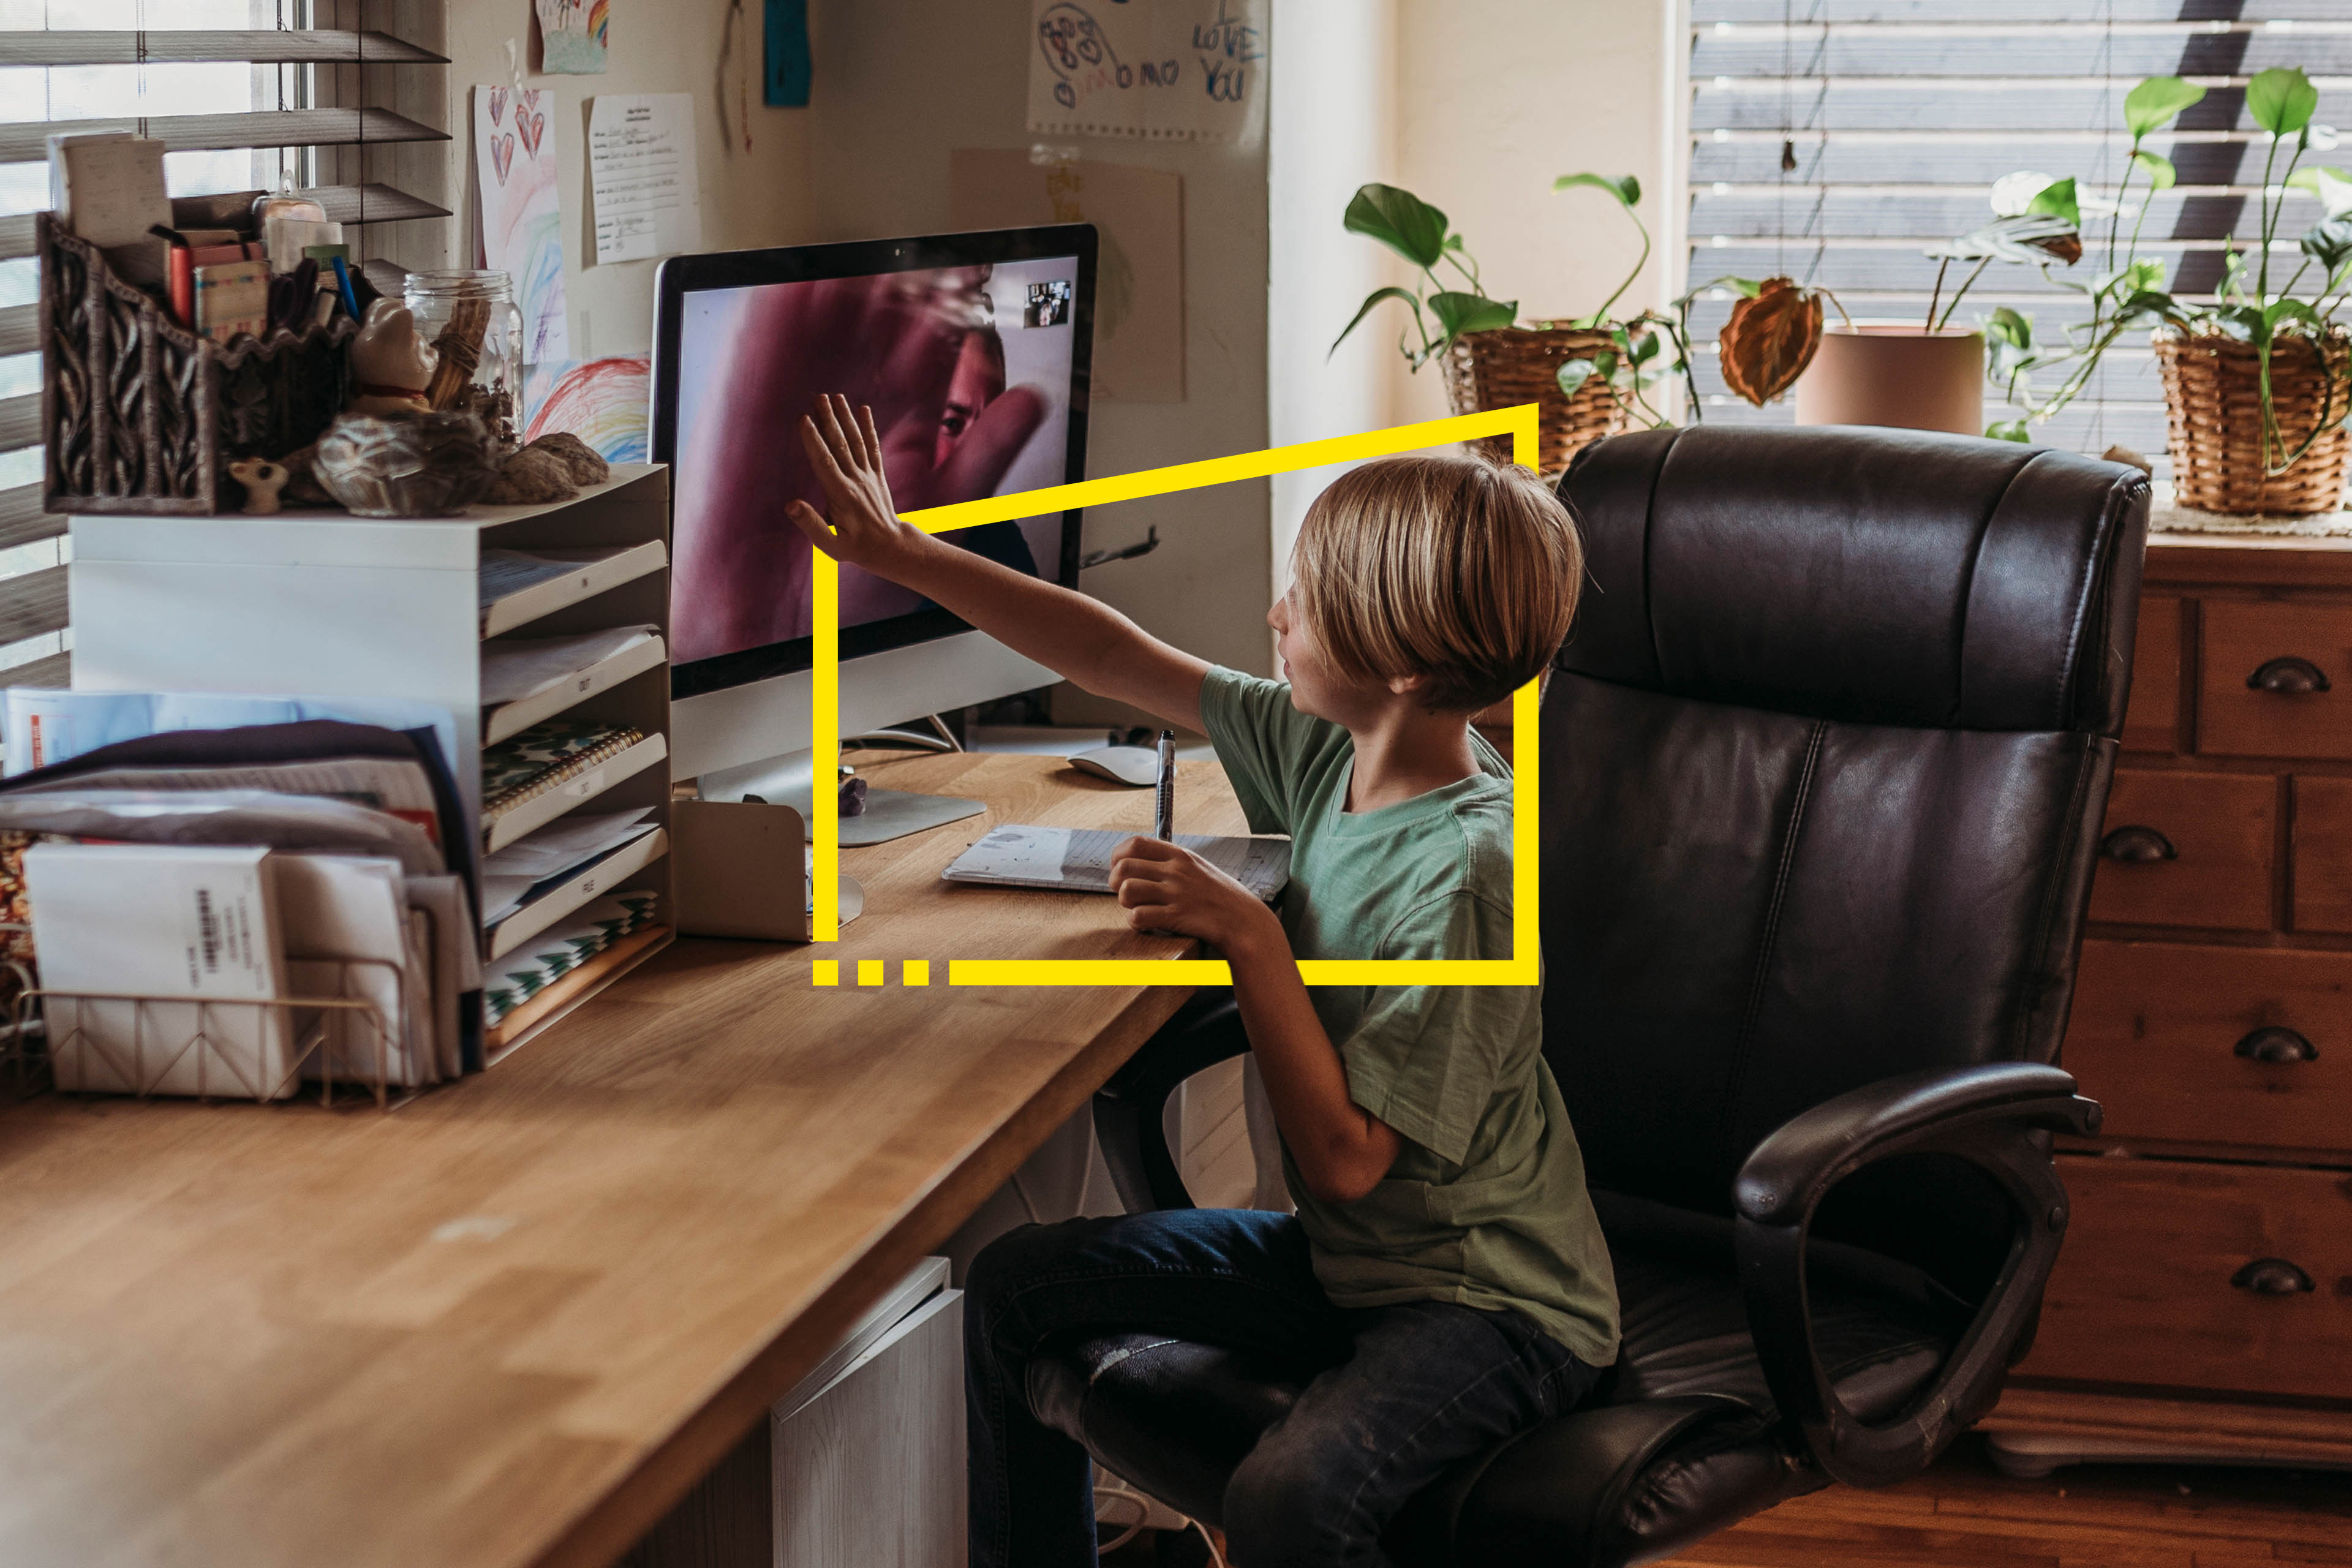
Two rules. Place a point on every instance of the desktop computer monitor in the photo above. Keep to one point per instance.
(974, 352)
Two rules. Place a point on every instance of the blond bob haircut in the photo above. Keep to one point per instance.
(1457, 569)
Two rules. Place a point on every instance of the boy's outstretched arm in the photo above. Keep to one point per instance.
(1082, 640)
(1342, 1150)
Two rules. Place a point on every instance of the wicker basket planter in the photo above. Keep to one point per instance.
(2212, 399)
(1512, 365)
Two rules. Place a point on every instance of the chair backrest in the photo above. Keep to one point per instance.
(1824, 764)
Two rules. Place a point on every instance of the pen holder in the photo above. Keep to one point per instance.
(142, 415)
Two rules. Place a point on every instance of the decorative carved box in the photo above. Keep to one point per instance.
(142, 415)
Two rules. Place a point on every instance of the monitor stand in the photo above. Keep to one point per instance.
(889, 813)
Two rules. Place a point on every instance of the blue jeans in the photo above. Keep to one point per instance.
(1393, 1394)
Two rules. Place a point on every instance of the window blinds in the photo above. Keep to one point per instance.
(1832, 141)
(337, 99)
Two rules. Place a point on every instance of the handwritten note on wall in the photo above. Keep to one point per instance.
(642, 175)
(1161, 70)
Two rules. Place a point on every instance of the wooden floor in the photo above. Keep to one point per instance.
(2100, 1516)
(1962, 1514)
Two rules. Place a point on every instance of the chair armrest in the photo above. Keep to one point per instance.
(1996, 1117)
(1129, 1110)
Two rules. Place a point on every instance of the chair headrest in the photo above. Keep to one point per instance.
(1871, 575)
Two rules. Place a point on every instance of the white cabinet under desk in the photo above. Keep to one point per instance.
(317, 603)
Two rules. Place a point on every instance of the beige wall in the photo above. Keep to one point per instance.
(1495, 97)
(897, 85)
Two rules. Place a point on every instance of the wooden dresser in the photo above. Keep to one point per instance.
(2203, 1301)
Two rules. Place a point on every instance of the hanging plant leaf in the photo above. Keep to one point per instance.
(2329, 243)
(2161, 175)
(2282, 100)
(1400, 220)
(1624, 187)
(1573, 373)
(1458, 314)
(2007, 430)
(2013, 194)
(2332, 186)
(1374, 298)
(2157, 100)
(1769, 340)
(2058, 200)
(2025, 238)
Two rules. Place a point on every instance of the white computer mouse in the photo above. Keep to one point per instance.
(1136, 766)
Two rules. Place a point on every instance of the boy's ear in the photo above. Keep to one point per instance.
(1406, 685)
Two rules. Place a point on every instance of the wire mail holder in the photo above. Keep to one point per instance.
(211, 1047)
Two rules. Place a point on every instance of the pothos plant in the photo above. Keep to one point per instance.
(1775, 325)
(2127, 291)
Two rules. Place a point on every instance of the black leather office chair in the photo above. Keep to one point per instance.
(1824, 764)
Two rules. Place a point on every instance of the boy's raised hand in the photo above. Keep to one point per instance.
(1165, 887)
(845, 451)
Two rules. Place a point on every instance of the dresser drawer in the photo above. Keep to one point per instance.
(2275, 679)
(2216, 1045)
(2323, 854)
(2203, 1276)
(2152, 721)
(2188, 849)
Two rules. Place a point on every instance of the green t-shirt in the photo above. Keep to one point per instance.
(1486, 1205)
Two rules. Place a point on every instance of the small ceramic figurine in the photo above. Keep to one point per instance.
(262, 480)
(390, 364)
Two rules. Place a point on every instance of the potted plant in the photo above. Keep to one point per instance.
(1931, 375)
(1492, 361)
(2256, 384)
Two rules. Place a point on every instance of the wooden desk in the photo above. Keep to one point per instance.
(511, 1322)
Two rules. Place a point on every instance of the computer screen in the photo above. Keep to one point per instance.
(973, 351)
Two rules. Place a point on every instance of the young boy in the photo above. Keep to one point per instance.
(1444, 1283)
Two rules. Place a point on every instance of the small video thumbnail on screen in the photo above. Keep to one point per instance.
(1049, 304)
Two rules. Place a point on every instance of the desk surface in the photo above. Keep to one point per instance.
(510, 1322)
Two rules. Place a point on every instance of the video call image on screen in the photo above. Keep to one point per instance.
(968, 372)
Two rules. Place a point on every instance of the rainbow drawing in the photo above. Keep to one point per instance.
(602, 401)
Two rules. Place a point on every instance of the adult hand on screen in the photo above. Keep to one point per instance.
(891, 343)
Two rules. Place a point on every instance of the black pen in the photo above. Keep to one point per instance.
(1167, 815)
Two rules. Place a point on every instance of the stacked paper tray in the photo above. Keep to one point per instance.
(595, 573)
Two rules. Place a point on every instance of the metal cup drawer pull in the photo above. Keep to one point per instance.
(2288, 676)
(2275, 1043)
(2271, 1277)
(2144, 846)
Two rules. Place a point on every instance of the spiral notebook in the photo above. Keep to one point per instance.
(1077, 860)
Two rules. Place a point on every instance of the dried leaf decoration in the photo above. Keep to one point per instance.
(1770, 339)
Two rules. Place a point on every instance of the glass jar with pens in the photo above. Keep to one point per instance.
(471, 320)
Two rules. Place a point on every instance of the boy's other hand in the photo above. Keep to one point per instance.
(845, 451)
(1165, 887)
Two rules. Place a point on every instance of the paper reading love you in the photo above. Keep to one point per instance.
(1156, 69)
(641, 172)
(522, 217)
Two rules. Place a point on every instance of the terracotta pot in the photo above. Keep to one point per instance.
(1896, 373)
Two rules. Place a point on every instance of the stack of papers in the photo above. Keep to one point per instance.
(534, 863)
(242, 873)
(525, 667)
